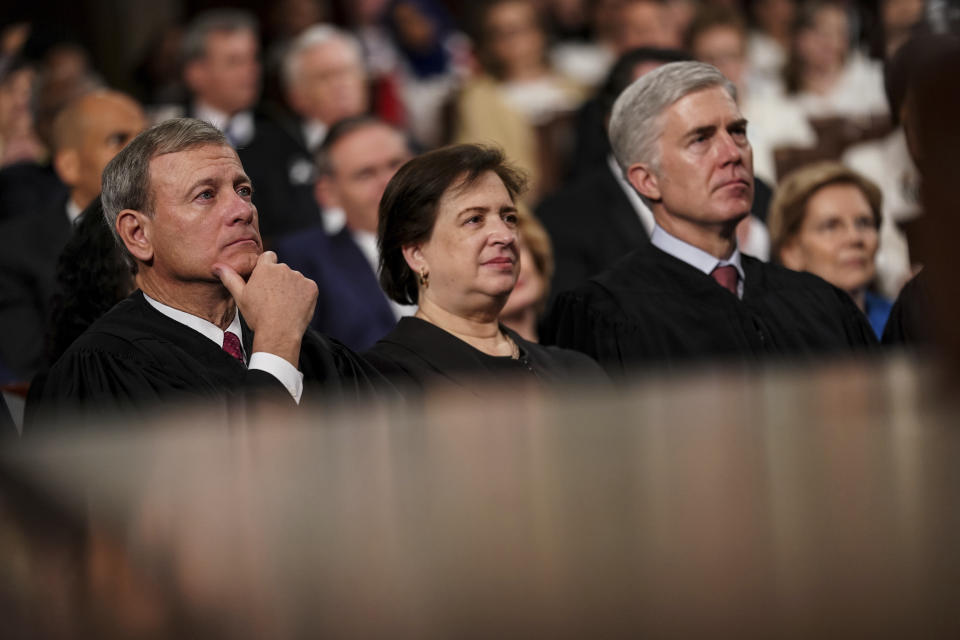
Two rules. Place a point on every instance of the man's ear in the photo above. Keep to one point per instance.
(791, 255)
(134, 229)
(325, 193)
(413, 254)
(644, 180)
(66, 163)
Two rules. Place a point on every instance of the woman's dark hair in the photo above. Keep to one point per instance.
(93, 274)
(408, 208)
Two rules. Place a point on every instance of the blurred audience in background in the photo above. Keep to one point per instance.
(86, 134)
(220, 54)
(518, 103)
(324, 81)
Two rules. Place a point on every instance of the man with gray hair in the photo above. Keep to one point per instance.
(214, 316)
(324, 81)
(690, 295)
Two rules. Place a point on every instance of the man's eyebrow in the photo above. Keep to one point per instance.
(741, 123)
(240, 178)
(701, 131)
(210, 182)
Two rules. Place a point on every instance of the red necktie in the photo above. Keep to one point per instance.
(726, 277)
(231, 344)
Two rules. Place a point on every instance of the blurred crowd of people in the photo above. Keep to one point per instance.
(325, 103)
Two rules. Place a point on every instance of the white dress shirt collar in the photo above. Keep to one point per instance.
(205, 327)
(238, 128)
(287, 374)
(73, 211)
(314, 132)
(695, 257)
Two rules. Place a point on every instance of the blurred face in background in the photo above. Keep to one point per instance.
(329, 83)
(514, 38)
(837, 239)
(824, 44)
(645, 23)
(227, 77)
(724, 47)
(362, 164)
(899, 17)
(775, 16)
(530, 288)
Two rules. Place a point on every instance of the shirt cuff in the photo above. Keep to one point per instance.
(286, 373)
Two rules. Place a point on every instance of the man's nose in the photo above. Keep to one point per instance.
(730, 149)
(241, 209)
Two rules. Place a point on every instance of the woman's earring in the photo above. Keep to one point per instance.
(424, 278)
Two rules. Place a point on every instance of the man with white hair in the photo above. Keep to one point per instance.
(690, 295)
(324, 82)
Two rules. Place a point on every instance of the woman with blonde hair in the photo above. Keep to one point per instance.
(825, 219)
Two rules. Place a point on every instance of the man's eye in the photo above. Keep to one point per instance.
(205, 195)
(474, 219)
(510, 218)
(246, 192)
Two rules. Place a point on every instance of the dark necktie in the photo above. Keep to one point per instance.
(726, 276)
(231, 344)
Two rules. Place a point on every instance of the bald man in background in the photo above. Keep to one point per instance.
(87, 133)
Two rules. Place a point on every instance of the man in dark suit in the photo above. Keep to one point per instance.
(325, 81)
(179, 203)
(88, 132)
(599, 217)
(689, 295)
(355, 163)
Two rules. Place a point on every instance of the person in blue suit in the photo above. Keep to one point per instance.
(354, 164)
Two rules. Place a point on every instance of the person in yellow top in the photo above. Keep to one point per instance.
(518, 102)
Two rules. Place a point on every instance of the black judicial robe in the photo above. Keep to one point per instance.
(418, 354)
(135, 358)
(652, 309)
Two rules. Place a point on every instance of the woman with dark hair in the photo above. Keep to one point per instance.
(448, 237)
(92, 276)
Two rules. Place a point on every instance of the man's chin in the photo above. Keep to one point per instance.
(243, 263)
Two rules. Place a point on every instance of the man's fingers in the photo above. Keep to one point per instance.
(230, 279)
(268, 257)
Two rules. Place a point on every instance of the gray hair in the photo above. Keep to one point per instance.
(636, 124)
(316, 35)
(194, 44)
(126, 178)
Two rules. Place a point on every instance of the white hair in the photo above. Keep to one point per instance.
(636, 123)
(316, 35)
